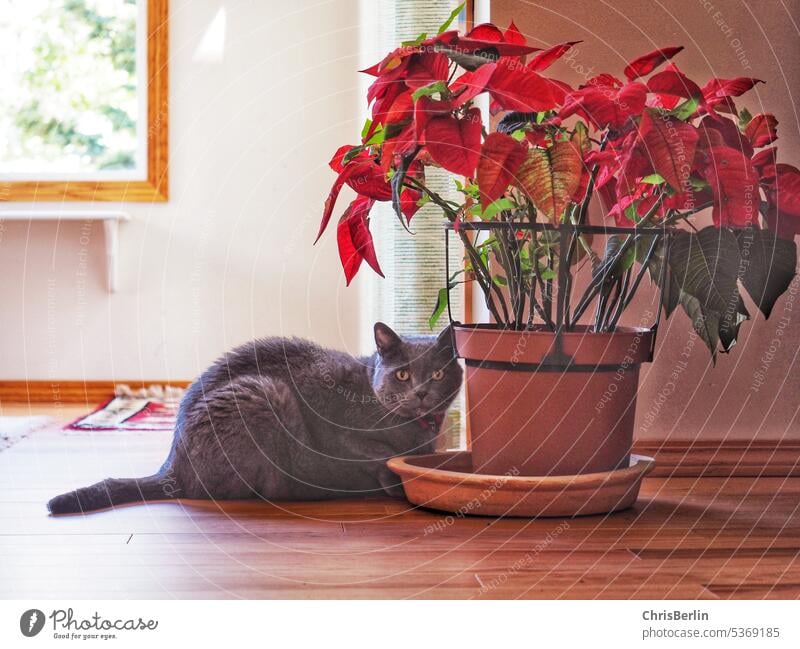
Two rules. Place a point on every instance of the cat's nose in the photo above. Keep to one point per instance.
(421, 393)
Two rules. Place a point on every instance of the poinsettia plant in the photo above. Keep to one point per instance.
(654, 148)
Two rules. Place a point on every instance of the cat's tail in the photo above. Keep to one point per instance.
(111, 492)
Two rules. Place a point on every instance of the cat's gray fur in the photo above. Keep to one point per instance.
(285, 419)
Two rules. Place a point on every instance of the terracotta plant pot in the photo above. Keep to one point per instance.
(540, 404)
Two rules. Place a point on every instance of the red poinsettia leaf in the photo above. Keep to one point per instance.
(383, 105)
(764, 163)
(471, 84)
(355, 240)
(762, 130)
(446, 39)
(401, 109)
(489, 37)
(485, 32)
(734, 184)
(630, 102)
(500, 159)
(605, 107)
(607, 195)
(372, 70)
(349, 255)
(425, 109)
(400, 145)
(337, 161)
(386, 80)
(606, 162)
(785, 192)
(409, 202)
(366, 178)
(538, 135)
(670, 146)
(455, 143)
(516, 88)
(784, 225)
(783, 202)
(513, 35)
(603, 80)
(671, 81)
(716, 130)
(330, 202)
(427, 68)
(647, 63)
(544, 59)
(717, 90)
(551, 177)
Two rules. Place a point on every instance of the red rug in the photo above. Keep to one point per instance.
(130, 413)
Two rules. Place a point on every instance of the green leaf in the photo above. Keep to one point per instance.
(698, 184)
(686, 109)
(610, 268)
(744, 118)
(442, 298)
(631, 213)
(706, 266)
(416, 41)
(729, 325)
(430, 89)
(453, 15)
(470, 189)
(706, 324)
(352, 153)
(396, 183)
(500, 205)
(469, 62)
(654, 179)
(547, 273)
(365, 129)
(377, 137)
(671, 297)
(438, 310)
(500, 280)
(768, 266)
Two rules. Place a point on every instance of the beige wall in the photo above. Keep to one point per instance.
(749, 394)
(230, 256)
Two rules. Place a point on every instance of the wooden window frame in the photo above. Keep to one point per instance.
(155, 187)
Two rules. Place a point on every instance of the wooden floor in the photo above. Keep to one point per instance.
(686, 538)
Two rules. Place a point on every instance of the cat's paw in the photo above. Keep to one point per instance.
(395, 491)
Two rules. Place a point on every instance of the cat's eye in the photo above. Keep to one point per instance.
(438, 375)
(402, 375)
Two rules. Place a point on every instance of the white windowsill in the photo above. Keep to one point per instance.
(110, 219)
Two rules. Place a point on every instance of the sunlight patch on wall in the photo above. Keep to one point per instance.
(212, 48)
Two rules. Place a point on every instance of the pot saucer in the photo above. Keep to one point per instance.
(445, 481)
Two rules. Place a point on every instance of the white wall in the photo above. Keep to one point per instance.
(229, 257)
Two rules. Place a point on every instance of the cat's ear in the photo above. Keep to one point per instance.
(386, 340)
(444, 341)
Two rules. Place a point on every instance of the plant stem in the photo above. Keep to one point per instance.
(597, 282)
(642, 270)
(482, 274)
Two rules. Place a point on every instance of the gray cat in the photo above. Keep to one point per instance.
(285, 419)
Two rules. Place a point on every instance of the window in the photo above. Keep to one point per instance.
(83, 100)
(414, 265)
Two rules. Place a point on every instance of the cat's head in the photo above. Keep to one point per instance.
(416, 376)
